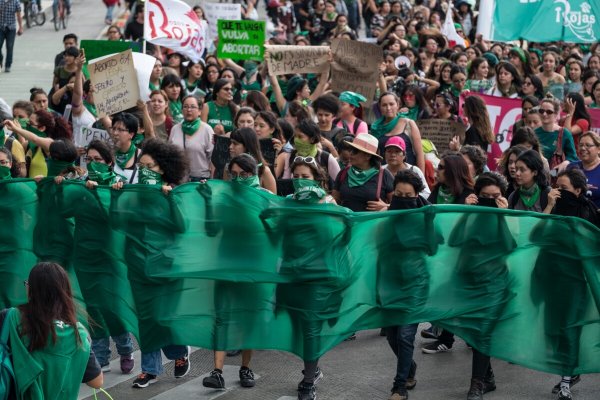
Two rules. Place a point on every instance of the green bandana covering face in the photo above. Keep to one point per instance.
(304, 148)
(24, 122)
(307, 190)
(252, 181)
(190, 127)
(250, 67)
(149, 177)
(4, 173)
(530, 196)
(380, 127)
(356, 177)
(100, 173)
(444, 196)
(122, 158)
(55, 167)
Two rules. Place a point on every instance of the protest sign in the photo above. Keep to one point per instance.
(85, 135)
(355, 67)
(115, 83)
(440, 132)
(217, 11)
(284, 60)
(99, 48)
(174, 25)
(220, 155)
(595, 117)
(241, 40)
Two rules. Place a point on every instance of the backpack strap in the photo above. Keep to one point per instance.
(380, 182)
(559, 142)
(357, 122)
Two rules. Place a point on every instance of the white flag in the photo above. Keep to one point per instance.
(449, 30)
(174, 25)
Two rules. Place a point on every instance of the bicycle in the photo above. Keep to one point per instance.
(59, 12)
(33, 14)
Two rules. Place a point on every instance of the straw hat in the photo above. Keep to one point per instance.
(365, 143)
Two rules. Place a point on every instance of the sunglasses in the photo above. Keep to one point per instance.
(549, 112)
(307, 160)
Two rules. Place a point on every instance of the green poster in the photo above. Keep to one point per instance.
(551, 20)
(241, 40)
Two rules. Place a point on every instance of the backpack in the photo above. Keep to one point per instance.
(7, 374)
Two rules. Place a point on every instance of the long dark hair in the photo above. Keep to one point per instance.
(581, 111)
(50, 298)
(456, 173)
(476, 110)
(247, 137)
(533, 161)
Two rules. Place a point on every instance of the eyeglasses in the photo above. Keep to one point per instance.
(549, 112)
(190, 107)
(581, 146)
(459, 81)
(243, 175)
(441, 167)
(307, 160)
(4, 162)
(408, 95)
(89, 159)
(119, 129)
(212, 72)
(227, 89)
(142, 165)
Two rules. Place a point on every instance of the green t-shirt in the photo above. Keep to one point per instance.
(219, 115)
(548, 141)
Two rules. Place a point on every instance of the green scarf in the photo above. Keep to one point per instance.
(32, 145)
(55, 167)
(138, 138)
(304, 148)
(307, 190)
(176, 110)
(190, 127)
(149, 177)
(380, 127)
(153, 87)
(356, 177)
(530, 196)
(2, 137)
(413, 113)
(91, 108)
(252, 181)
(193, 86)
(122, 158)
(4, 173)
(444, 196)
(101, 173)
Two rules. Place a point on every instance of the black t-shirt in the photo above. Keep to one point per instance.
(472, 137)
(134, 31)
(356, 198)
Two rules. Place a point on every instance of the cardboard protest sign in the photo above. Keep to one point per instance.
(85, 135)
(217, 11)
(440, 132)
(283, 60)
(355, 67)
(101, 48)
(115, 83)
(220, 155)
(241, 40)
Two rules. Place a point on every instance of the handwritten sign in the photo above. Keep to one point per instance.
(217, 11)
(283, 60)
(115, 83)
(241, 40)
(440, 132)
(84, 136)
(355, 67)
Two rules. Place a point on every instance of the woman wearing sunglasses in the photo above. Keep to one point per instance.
(220, 112)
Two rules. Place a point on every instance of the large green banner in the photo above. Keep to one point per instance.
(224, 266)
(546, 21)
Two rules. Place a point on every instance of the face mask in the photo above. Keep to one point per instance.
(567, 204)
(251, 181)
(307, 190)
(100, 173)
(403, 203)
(485, 202)
(305, 148)
(149, 177)
(250, 68)
(24, 122)
(4, 173)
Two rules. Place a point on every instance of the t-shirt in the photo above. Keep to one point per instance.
(134, 31)
(198, 148)
(548, 141)
(472, 137)
(219, 115)
(593, 178)
(356, 198)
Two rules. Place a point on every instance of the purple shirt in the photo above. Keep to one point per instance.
(593, 177)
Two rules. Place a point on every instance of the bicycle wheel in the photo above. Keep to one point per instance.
(56, 16)
(40, 18)
(28, 17)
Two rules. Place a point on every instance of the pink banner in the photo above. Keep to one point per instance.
(503, 114)
(595, 115)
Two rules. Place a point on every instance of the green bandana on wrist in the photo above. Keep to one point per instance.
(252, 181)
(122, 158)
(149, 177)
(4, 173)
(190, 127)
(307, 190)
(55, 167)
(356, 177)
(100, 173)
(304, 148)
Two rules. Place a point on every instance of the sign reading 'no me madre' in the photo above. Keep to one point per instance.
(241, 40)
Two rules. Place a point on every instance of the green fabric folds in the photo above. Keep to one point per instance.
(225, 266)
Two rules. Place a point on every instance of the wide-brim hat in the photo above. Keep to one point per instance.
(365, 143)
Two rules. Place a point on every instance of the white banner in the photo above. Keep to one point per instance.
(449, 31)
(87, 134)
(174, 25)
(217, 11)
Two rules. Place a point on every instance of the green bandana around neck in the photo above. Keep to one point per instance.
(530, 196)
(32, 145)
(252, 181)
(91, 108)
(153, 87)
(138, 138)
(307, 190)
(149, 177)
(304, 148)
(356, 177)
(55, 167)
(122, 158)
(4, 173)
(412, 113)
(190, 127)
(380, 127)
(101, 173)
(444, 196)
(176, 110)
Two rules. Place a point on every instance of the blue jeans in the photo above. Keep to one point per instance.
(152, 362)
(402, 342)
(9, 35)
(353, 15)
(109, 12)
(101, 347)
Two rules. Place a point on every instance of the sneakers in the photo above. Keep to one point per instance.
(144, 380)
(247, 377)
(399, 394)
(182, 365)
(575, 379)
(565, 393)
(476, 390)
(105, 368)
(429, 333)
(215, 380)
(489, 383)
(318, 375)
(127, 364)
(7, 69)
(435, 347)
(307, 391)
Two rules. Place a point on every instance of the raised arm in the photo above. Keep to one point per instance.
(146, 120)
(77, 100)
(323, 80)
(44, 143)
(231, 64)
